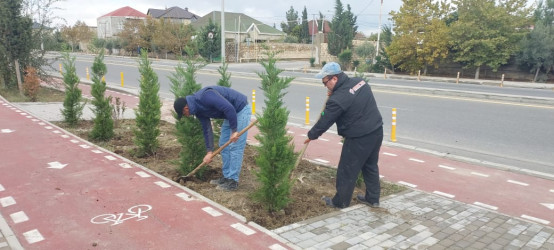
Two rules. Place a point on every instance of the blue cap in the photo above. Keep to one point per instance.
(331, 68)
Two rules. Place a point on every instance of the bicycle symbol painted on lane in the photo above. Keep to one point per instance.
(132, 212)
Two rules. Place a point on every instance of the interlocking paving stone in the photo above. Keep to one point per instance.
(416, 219)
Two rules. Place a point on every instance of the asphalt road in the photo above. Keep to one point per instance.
(519, 135)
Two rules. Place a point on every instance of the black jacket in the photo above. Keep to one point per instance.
(352, 106)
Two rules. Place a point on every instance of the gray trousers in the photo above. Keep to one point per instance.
(359, 154)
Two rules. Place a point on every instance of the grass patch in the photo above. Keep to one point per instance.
(44, 95)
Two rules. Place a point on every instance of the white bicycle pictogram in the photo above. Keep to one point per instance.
(133, 212)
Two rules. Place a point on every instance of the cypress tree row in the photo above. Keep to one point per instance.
(72, 106)
(148, 112)
(103, 121)
(276, 152)
(188, 129)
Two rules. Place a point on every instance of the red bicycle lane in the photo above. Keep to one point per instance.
(64, 193)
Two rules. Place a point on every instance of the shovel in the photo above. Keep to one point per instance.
(189, 175)
(306, 144)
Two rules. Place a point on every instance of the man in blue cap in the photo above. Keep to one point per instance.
(220, 103)
(352, 107)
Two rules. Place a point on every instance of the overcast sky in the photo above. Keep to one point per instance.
(267, 11)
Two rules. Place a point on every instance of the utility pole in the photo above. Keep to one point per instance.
(238, 42)
(313, 32)
(222, 32)
(378, 32)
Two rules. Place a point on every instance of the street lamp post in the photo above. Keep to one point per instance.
(378, 32)
(222, 32)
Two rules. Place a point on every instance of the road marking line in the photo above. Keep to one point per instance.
(389, 154)
(185, 196)
(244, 229)
(125, 165)
(531, 218)
(109, 157)
(56, 165)
(381, 176)
(18, 111)
(212, 211)
(407, 184)
(48, 127)
(340, 143)
(304, 135)
(276, 247)
(446, 167)
(33, 236)
(35, 120)
(85, 146)
(41, 123)
(96, 151)
(2, 188)
(479, 174)
(467, 99)
(19, 217)
(518, 183)
(7, 201)
(162, 184)
(485, 205)
(416, 160)
(56, 132)
(321, 160)
(290, 132)
(23, 113)
(552, 190)
(74, 141)
(323, 139)
(444, 194)
(142, 174)
(29, 116)
(548, 205)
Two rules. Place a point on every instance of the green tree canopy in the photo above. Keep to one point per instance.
(15, 40)
(292, 21)
(77, 33)
(343, 29)
(487, 33)
(421, 36)
(537, 50)
(209, 37)
(305, 34)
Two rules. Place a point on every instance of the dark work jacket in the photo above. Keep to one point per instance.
(352, 106)
(216, 102)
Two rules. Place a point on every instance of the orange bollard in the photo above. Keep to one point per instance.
(307, 110)
(253, 101)
(393, 128)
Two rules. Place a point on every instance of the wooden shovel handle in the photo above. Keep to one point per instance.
(220, 149)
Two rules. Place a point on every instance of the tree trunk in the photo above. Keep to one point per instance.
(537, 74)
(477, 72)
(18, 75)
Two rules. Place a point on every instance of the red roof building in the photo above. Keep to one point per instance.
(109, 25)
(126, 12)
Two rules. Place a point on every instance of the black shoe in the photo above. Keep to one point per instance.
(218, 181)
(362, 199)
(228, 185)
(328, 201)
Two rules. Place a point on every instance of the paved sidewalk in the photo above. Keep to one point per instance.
(414, 219)
(418, 220)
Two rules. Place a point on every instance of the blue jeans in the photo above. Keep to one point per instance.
(232, 154)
